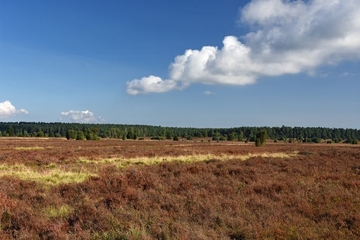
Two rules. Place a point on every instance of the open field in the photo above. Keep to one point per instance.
(114, 189)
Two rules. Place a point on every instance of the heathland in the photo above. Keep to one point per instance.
(53, 188)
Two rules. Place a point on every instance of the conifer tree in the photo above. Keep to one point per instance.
(261, 138)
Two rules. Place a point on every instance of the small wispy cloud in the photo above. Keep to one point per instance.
(80, 117)
(208, 93)
(346, 74)
(8, 110)
(288, 37)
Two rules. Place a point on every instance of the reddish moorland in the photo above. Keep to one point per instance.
(107, 189)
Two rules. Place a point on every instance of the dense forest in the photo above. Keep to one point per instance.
(96, 131)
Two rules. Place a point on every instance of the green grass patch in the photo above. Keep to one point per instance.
(62, 211)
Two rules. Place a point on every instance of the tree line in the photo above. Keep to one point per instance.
(84, 131)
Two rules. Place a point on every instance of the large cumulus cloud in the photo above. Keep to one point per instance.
(287, 37)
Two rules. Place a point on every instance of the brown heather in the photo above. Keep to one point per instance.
(107, 190)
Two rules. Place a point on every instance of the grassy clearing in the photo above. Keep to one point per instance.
(58, 211)
(123, 162)
(52, 177)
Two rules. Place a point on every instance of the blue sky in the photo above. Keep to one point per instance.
(181, 63)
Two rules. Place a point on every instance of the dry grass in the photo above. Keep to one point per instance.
(53, 176)
(125, 162)
(29, 148)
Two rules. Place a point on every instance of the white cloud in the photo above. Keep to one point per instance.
(9, 110)
(288, 37)
(149, 84)
(80, 117)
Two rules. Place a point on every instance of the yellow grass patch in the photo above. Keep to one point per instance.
(29, 148)
(52, 176)
(122, 162)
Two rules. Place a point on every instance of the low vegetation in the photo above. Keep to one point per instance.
(114, 189)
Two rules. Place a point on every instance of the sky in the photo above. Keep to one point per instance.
(203, 63)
